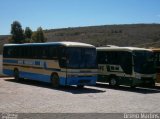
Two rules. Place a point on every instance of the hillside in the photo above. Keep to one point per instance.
(141, 35)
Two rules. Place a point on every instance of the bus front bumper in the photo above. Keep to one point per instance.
(143, 82)
(82, 80)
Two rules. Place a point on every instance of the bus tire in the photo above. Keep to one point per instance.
(16, 74)
(113, 81)
(55, 80)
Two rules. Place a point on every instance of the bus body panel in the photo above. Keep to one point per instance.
(34, 71)
(129, 81)
(76, 79)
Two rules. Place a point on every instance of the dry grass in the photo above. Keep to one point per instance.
(142, 35)
(122, 35)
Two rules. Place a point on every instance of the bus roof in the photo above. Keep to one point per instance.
(67, 44)
(155, 49)
(130, 49)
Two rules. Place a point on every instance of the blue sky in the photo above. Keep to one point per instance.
(52, 14)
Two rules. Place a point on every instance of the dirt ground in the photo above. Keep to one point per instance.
(38, 97)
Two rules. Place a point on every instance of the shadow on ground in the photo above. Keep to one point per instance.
(70, 89)
(143, 90)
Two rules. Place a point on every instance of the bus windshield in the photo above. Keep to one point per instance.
(157, 58)
(144, 62)
(81, 57)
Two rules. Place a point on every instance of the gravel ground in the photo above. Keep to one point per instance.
(37, 97)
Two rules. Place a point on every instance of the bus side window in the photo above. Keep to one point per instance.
(26, 52)
(62, 56)
(52, 52)
(125, 60)
(101, 57)
(16, 52)
(157, 57)
(5, 52)
(112, 58)
(44, 52)
(10, 52)
(32, 52)
(39, 52)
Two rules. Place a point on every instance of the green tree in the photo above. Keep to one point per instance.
(28, 33)
(17, 33)
(38, 36)
(34, 37)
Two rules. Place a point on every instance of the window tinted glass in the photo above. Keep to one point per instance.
(31, 52)
(122, 58)
(107, 57)
(125, 61)
(52, 52)
(62, 56)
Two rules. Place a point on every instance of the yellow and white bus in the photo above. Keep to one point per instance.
(126, 66)
(60, 63)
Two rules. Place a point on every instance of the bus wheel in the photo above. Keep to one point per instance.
(80, 86)
(16, 75)
(55, 80)
(113, 81)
